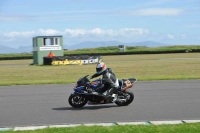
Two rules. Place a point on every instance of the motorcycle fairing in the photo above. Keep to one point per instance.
(79, 89)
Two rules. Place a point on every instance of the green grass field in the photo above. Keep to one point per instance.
(142, 67)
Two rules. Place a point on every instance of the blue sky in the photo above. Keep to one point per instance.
(167, 21)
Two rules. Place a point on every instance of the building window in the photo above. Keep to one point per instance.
(47, 41)
(121, 46)
(50, 41)
(56, 41)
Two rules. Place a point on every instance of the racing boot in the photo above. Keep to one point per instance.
(112, 94)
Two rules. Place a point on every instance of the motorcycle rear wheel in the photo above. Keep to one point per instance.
(77, 101)
(129, 96)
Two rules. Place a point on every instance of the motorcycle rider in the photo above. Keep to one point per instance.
(109, 81)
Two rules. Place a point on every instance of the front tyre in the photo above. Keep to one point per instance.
(125, 98)
(77, 101)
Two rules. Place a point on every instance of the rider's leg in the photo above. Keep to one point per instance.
(114, 87)
(112, 94)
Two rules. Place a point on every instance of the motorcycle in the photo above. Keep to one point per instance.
(84, 93)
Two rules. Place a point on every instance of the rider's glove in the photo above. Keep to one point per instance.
(87, 87)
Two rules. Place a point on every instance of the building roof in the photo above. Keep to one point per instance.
(48, 36)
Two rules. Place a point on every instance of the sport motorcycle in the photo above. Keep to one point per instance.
(84, 92)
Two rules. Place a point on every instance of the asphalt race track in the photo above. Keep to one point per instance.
(30, 105)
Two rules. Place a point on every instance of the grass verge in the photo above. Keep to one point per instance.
(177, 128)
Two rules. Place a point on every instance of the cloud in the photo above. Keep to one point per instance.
(7, 17)
(178, 37)
(96, 34)
(156, 12)
(170, 36)
(19, 34)
(124, 32)
(140, 12)
(48, 32)
(192, 26)
(84, 34)
(86, 14)
(152, 3)
(183, 36)
(73, 36)
(74, 32)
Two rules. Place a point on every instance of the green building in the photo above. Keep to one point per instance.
(122, 48)
(43, 45)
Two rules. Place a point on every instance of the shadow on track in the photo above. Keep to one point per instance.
(90, 107)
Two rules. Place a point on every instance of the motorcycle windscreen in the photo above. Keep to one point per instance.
(79, 89)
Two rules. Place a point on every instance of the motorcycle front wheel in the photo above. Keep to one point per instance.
(77, 101)
(125, 98)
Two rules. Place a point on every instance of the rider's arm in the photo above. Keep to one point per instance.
(94, 75)
(99, 87)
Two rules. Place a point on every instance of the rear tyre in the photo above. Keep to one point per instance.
(77, 101)
(125, 98)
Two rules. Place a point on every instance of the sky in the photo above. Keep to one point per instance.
(175, 22)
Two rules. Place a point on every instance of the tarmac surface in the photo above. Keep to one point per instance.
(33, 105)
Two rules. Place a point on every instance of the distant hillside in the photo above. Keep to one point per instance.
(23, 49)
(6, 50)
(86, 44)
(9, 50)
(91, 44)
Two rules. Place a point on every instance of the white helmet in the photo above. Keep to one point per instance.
(100, 68)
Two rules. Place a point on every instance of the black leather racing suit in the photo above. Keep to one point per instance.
(109, 81)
